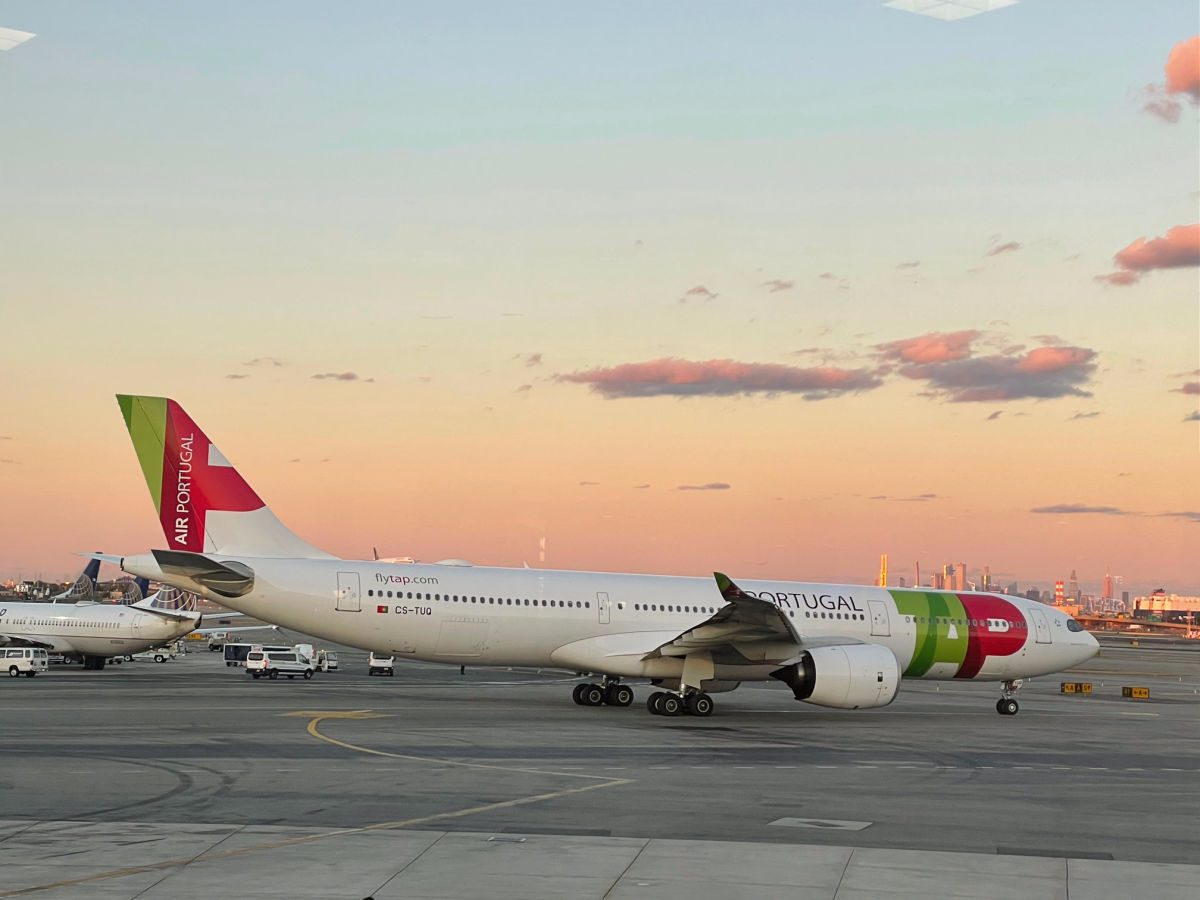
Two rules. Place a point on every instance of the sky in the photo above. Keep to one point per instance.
(764, 288)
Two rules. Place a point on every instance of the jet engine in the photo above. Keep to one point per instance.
(848, 676)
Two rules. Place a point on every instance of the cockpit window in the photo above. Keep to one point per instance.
(1072, 625)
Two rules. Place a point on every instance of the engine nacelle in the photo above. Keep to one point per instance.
(850, 676)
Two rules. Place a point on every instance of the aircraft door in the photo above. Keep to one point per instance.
(1040, 626)
(349, 592)
(603, 609)
(881, 624)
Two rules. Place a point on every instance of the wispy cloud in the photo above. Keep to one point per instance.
(994, 416)
(640, 487)
(1081, 509)
(9, 462)
(827, 276)
(1084, 415)
(1006, 247)
(674, 377)
(273, 362)
(336, 376)
(237, 376)
(525, 388)
(1193, 416)
(699, 292)
(1187, 515)
(1179, 248)
(775, 285)
(1188, 387)
(533, 359)
(1182, 71)
(910, 264)
(710, 486)
(916, 498)
(589, 484)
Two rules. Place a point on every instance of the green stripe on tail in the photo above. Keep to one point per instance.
(146, 419)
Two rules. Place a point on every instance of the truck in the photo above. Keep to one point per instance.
(235, 654)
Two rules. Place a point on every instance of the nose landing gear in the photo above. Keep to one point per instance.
(1007, 705)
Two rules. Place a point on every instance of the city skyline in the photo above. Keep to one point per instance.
(668, 296)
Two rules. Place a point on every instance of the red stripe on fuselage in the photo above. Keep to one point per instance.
(982, 642)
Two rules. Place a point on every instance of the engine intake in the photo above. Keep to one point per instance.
(850, 676)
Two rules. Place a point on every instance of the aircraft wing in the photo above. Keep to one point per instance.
(218, 629)
(744, 619)
(21, 640)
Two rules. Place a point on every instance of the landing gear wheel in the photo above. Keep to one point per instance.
(653, 703)
(618, 695)
(670, 705)
(577, 694)
(592, 695)
(700, 704)
(1007, 706)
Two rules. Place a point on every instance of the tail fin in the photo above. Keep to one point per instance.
(84, 587)
(203, 504)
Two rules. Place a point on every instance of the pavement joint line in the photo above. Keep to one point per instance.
(313, 730)
(397, 873)
(612, 887)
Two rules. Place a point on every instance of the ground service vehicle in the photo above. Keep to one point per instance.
(27, 661)
(159, 655)
(327, 661)
(272, 665)
(381, 665)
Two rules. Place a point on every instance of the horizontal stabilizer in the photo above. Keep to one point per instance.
(228, 579)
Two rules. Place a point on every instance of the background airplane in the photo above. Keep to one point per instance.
(841, 646)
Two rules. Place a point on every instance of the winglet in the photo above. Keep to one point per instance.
(729, 590)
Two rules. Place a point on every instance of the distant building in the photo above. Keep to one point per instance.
(1074, 585)
(900, 581)
(985, 579)
(1058, 593)
(960, 577)
(1108, 586)
(1167, 607)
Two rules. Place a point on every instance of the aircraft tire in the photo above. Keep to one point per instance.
(593, 695)
(670, 705)
(700, 704)
(618, 695)
(653, 701)
(1008, 707)
(577, 694)
(274, 676)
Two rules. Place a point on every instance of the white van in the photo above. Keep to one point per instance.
(27, 661)
(275, 663)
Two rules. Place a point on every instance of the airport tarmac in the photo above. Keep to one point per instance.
(154, 781)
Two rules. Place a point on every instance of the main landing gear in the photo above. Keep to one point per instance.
(669, 703)
(609, 692)
(1007, 705)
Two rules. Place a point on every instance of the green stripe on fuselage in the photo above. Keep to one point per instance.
(940, 637)
(146, 419)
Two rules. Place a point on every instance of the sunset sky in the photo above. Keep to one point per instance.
(768, 288)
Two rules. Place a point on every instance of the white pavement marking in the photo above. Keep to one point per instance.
(824, 824)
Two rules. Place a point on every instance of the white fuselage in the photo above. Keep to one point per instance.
(614, 623)
(88, 629)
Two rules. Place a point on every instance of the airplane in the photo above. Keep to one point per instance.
(835, 645)
(95, 632)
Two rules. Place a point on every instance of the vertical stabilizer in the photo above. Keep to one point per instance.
(203, 503)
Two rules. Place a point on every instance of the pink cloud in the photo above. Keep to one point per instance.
(1178, 248)
(935, 347)
(1182, 71)
(674, 377)
(1188, 387)
(778, 284)
(698, 291)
